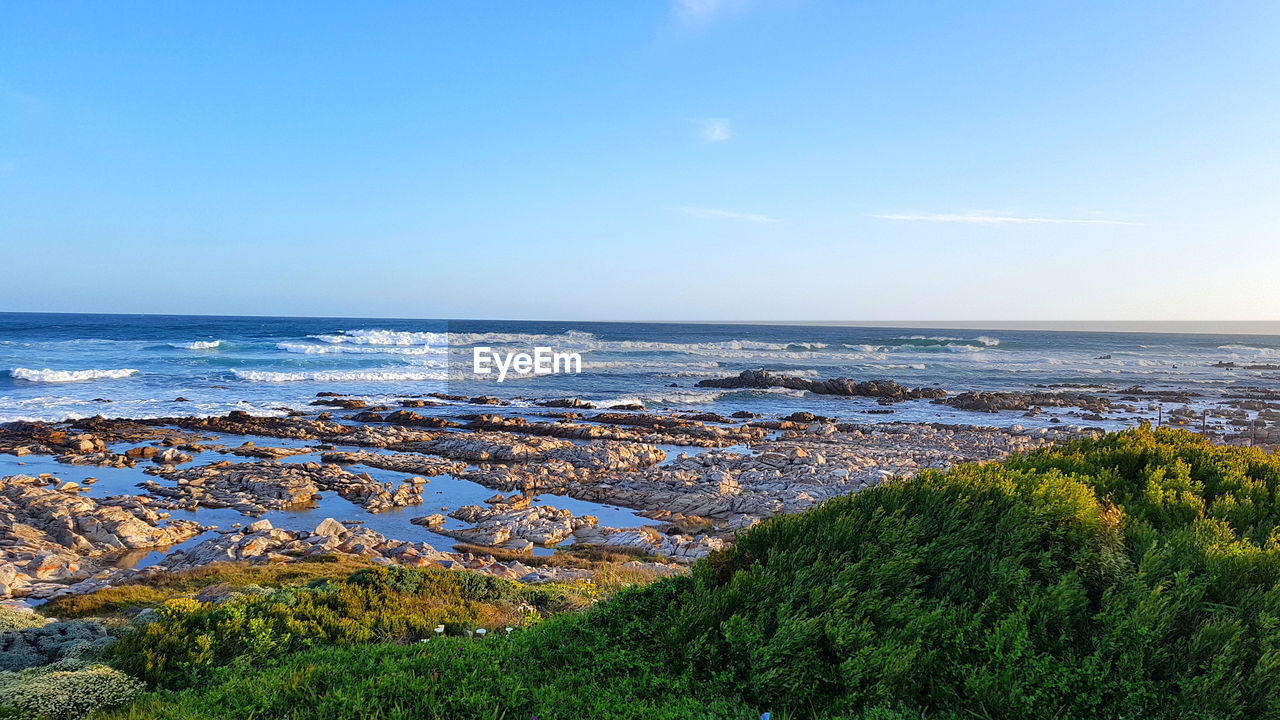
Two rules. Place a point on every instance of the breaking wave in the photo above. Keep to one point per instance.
(197, 345)
(694, 397)
(313, 349)
(1261, 352)
(62, 376)
(339, 376)
(400, 338)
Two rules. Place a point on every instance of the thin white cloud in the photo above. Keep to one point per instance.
(713, 214)
(986, 218)
(697, 11)
(716, 130)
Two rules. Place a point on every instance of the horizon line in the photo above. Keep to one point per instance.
(1154, 327)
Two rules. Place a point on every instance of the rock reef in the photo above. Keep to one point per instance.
(886, 390)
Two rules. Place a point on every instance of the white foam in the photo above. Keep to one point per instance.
(1261, 352)
(571, 340)
(313, 349)
(694, 397)
(197, 345)
(62, 376)
(384, 337)
(339, 376)
(949, 341)
(574, 338)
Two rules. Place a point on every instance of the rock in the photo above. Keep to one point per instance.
(572, 403)
(886, 389)
(330, 528)
(999, 401)
(171, 456)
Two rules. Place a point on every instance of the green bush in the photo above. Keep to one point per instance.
(178, 643)
(44, 644)
(59, 693)
(12, 619)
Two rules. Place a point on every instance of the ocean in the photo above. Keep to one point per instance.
(62, 366)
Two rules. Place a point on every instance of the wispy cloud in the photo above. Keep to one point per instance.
(716, 130)
(699, 11)
(713, 214)
(990, 218)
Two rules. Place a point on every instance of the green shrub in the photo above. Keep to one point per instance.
(21, 649)
(12, 619)
(178, 643)
(64, 694)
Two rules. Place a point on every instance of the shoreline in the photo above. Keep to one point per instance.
(350, 479)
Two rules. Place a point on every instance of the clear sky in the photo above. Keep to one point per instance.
(686, 160)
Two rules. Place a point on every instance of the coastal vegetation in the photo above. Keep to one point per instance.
(1133, 575)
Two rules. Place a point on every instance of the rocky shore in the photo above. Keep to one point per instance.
(52, 535)
(734, 472)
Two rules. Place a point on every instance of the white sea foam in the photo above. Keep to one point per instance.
(1261, 352)
(693, 397)
(383, 337)
(313, 349)
(650, 365)
(197, 345)
(339, 376)
(404, 338)
(949, 341)
(62, 376)
(571, 340)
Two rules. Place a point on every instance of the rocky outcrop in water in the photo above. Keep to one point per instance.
(886, 390)
(255, 488)
(514, 524)
(653, 429)
(238, 422)
(510, 448)
(398, 462)
(50, 534)
(998, 401)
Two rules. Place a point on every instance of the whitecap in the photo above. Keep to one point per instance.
(61, 376)
(313, 349)
(339, 376)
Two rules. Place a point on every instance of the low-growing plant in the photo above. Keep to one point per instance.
(182, 640)
(64, 693)
(14, 619)
(44, 644)
(154, 590)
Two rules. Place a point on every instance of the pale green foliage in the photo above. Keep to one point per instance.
(21, 649)
(11, 619)
(57, 692)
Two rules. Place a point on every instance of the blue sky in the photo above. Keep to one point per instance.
(686, 160)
